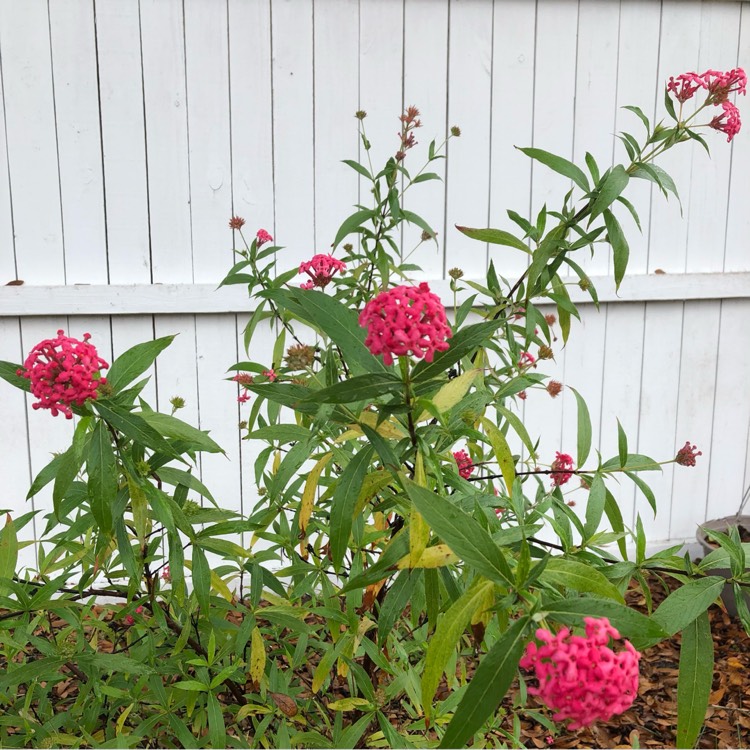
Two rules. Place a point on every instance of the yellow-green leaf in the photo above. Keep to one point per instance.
(432, 557)
(502, 452)
(257, 656)
(452, 392)
(308, 494)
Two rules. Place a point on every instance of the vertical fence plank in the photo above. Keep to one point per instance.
(73, 43)
(123, 135)
(731, 414)
(660, 379)
(736, 257)
(32, 141)
(636, 85)
(425, 87)
(251, 116)
(469, 104)
(167, 138)
(8, 267)
(15, 470)
(336, 54)
(707, 207)
(694, 413)
(293, 127)
(512, 122)
(596, 102)
(210, 163)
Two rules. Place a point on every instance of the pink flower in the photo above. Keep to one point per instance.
(561, 468)
(685, 85)
(129, 620)
(581, 678)
(687, 454)
(166, 574)
(270, 374)
(243, 398)
(464, 463)
(526, 359)
(321, 269)
(720, 85)
(262, 237)
(731, 125)
(521, 395)
(406, 320)
(63, 371)
(549, 739)
(243, 378)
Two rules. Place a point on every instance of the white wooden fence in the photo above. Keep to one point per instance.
(131, 130)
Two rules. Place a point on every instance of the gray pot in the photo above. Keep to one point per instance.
(723, 524)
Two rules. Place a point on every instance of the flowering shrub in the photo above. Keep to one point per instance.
(387, 544)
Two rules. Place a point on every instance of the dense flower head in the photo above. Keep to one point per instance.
(262, 237)
(300, 356)
(405, 320)
(321, 269)
(728, 121)
(243, 378)
(561, 468)
(687, 454)
(464, 463)
(63, 371)
(581, 678)
(236, 222)
(526, 359)
(685, 85)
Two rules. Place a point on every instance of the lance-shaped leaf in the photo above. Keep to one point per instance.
(135, 361)
(488, 686)
(101, 467)
(308, 494)
(462, 533)
(559, 165)
(494, 237)
(502, 452)
(619, 245)
(682, 606)
(694, 679)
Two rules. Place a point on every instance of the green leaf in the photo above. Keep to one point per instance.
(8, 373)
(360, 388)
(171, 427)
(191, 686)
(682, 606)
(217, 732)
(101, 467)
(45, 476)
(395, 602)
(175, 477)
(69, 467)
(357, 167)
(281, 433)
(488, 686)
(619, 246)
(694, 679)
(136, 428)
(201, 578)
(615, 182)
(447, 634)
(344, 500)
(559, 165)
(494, 237)
(584, 429)
(595, 505)
(622, 444)
(612, 509)
(463, 342)
(47, 668)
(333, 319)
(462, 533)
(135, 361)
(353, 222)
(579, 576)
(633, 462)
(643, 118)
(8, 549)
(631, 624)
(393, 552)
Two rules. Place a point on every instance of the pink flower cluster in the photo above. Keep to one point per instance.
(63, 371)
(687, 454)
(406, 320)
(562, 468)
(129, 619)
(719, 86)
(526, 359)
(464, 463)
(262, 237)
(320, 269)
(581, 678)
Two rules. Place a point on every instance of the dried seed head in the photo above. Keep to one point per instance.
(455, 273)
(456, 131)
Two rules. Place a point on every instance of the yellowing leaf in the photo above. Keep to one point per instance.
(371, 485)
(452, 392)
(501, 449)
(257, 656)
(390, 428)
(308, 494)
(276, 462)
(419, 531)
(433, 557)
(350, 704)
